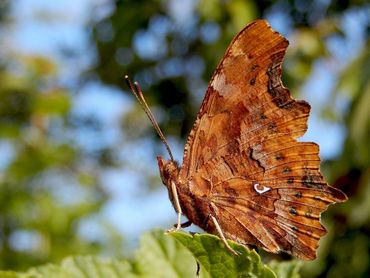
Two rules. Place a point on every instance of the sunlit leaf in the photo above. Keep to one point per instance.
(161, 255)
(288, 269)
(216, 261)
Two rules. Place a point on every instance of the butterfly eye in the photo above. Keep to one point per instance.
(162, 169)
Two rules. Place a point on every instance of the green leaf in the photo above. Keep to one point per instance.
(54, 102)
(77, 267)
(213, 257)
(86, 267)
(161, 255)
(8, 274)
(288, 269)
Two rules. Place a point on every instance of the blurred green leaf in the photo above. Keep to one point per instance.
(41, 197)
(165, 256)
(77, 267)
(38, 65)
(10, 274)
(54, 102)
(289, 269)
(241, 12)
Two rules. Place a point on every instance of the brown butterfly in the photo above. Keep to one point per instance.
(244, 175)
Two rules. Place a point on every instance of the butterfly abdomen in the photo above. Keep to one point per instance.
(196, 208)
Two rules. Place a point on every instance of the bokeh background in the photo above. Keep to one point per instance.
(78, 173)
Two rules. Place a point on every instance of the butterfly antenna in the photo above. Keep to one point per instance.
(135, 89)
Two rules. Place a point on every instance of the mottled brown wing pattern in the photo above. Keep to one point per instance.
(289, 207)
(242, 99)
(263, 186)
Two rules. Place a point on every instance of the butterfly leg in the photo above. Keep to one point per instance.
(177, 207)
(219, 230)
(185, 224)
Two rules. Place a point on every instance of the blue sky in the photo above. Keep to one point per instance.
(129, 210)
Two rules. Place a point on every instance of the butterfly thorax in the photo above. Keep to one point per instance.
(194, 204)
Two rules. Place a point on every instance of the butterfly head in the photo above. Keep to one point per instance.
(168, 169)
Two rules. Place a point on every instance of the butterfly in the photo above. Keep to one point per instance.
(244, 175)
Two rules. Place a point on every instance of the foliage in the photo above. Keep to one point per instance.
(161, 255)
(218, 262)
(44, 168)
(286, 268)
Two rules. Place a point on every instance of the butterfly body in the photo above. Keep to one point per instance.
(244, 175)
(194, 200)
